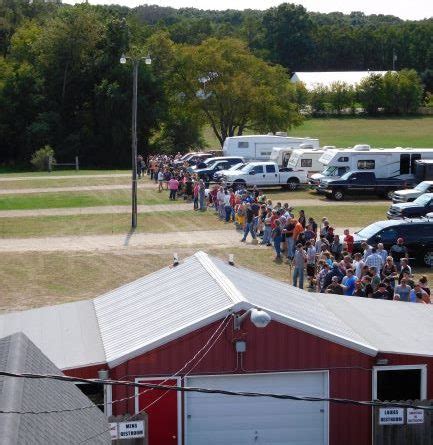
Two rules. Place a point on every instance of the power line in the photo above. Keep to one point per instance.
(369, 403)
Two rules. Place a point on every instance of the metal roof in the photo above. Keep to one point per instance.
(174, 301)
(67, 333)
(326, 78)
(19, 354)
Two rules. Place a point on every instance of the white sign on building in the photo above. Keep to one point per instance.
(391, 416)
(131, 430)
(415, 415)
(113, 431)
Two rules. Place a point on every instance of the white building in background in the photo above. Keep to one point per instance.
(325, 78)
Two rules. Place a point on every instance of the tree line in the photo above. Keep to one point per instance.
(61, 83)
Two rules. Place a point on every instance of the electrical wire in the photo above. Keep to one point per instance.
(368, 403)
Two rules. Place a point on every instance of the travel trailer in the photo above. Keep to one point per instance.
(396, 162)
(259, 147)
(306, 159)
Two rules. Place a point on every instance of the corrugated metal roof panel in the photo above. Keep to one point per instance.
(297, 307)
(164, 304)
(392, 326)
(67, 333)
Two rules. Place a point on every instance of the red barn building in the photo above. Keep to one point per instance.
(177, 326)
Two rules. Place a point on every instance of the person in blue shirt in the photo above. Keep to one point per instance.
(349, 282)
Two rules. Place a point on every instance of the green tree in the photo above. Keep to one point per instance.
(370, 93)
(319, 99)
(341, 96)
(234, 90)
(288, 35)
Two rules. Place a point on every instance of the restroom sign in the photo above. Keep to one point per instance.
(391, 416)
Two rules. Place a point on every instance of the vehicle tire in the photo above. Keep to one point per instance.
(292, 184)
(428, 258)
(338, 195)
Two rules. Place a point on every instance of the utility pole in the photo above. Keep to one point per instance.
(134, 143)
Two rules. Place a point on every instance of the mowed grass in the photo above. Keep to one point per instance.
(81, 199)
(67, 182)
(7, 173)
(377, 132)
(114, 223)
(416, 131)
(40, 279)
(159, 222)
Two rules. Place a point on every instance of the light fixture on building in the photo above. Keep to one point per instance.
(258, 317)
(382, 361)
(175, 259)
(240, 345)
(231, 259)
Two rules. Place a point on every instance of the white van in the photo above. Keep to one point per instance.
(306, 159)
(396, 163)
(259, 147)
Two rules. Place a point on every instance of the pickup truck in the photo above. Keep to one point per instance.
(420, 207)
(265, 174)
(357, 183)
(409, 195)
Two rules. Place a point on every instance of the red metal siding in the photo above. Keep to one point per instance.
(276, 348)
(89, 372)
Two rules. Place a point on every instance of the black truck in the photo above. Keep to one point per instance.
(420, 207)
(357, 183)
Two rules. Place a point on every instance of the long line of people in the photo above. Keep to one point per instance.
(314, 252)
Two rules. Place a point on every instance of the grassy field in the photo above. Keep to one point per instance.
(159, 222)
(80, 199)
(8, 173)
(69, 181)
(40, 279)
(348, 131)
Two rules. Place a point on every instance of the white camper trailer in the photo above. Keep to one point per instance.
(384, 162)
(306, 159)
(259, 147)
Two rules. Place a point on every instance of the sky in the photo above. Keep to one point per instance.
(406, 9)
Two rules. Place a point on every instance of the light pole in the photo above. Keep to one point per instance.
(135, 62)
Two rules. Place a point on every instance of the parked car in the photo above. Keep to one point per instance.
(420, 207)
(265, 174)
(417, 235)
(409, 195)
(219, 174)
(357, 183)
(209, 171)
(207, 162)
(192, 158)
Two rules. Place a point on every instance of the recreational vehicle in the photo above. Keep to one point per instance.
(306, 159)
(259, 147)
(397, 162)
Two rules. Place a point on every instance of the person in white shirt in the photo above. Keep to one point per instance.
(358, 264)
(382, 252)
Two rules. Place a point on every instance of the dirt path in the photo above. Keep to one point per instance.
(104, 210)
(81, 188)
(32, 178)
(215, 238)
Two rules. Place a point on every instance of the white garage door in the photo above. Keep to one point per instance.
(213, 419)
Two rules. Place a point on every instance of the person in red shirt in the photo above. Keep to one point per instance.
(348, 239)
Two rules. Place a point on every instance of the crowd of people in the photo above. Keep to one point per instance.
(316, 255)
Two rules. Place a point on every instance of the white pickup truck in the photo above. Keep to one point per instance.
(265, 174)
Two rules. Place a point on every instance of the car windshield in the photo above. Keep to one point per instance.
(369, 231)
(329, 171)
(422, 200)
(422, 187)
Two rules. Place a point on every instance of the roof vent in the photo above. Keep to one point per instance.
(306, 147)
(175, 259)
(361, 147)
(329, 147)
(281, 133)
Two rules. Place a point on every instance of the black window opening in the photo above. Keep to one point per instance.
(368, 164)
(95, 392)
(243, 145)
(270, 169)
(414, 158)
(306, 162)
(404, 164)
(398, 385)
(343, 159)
